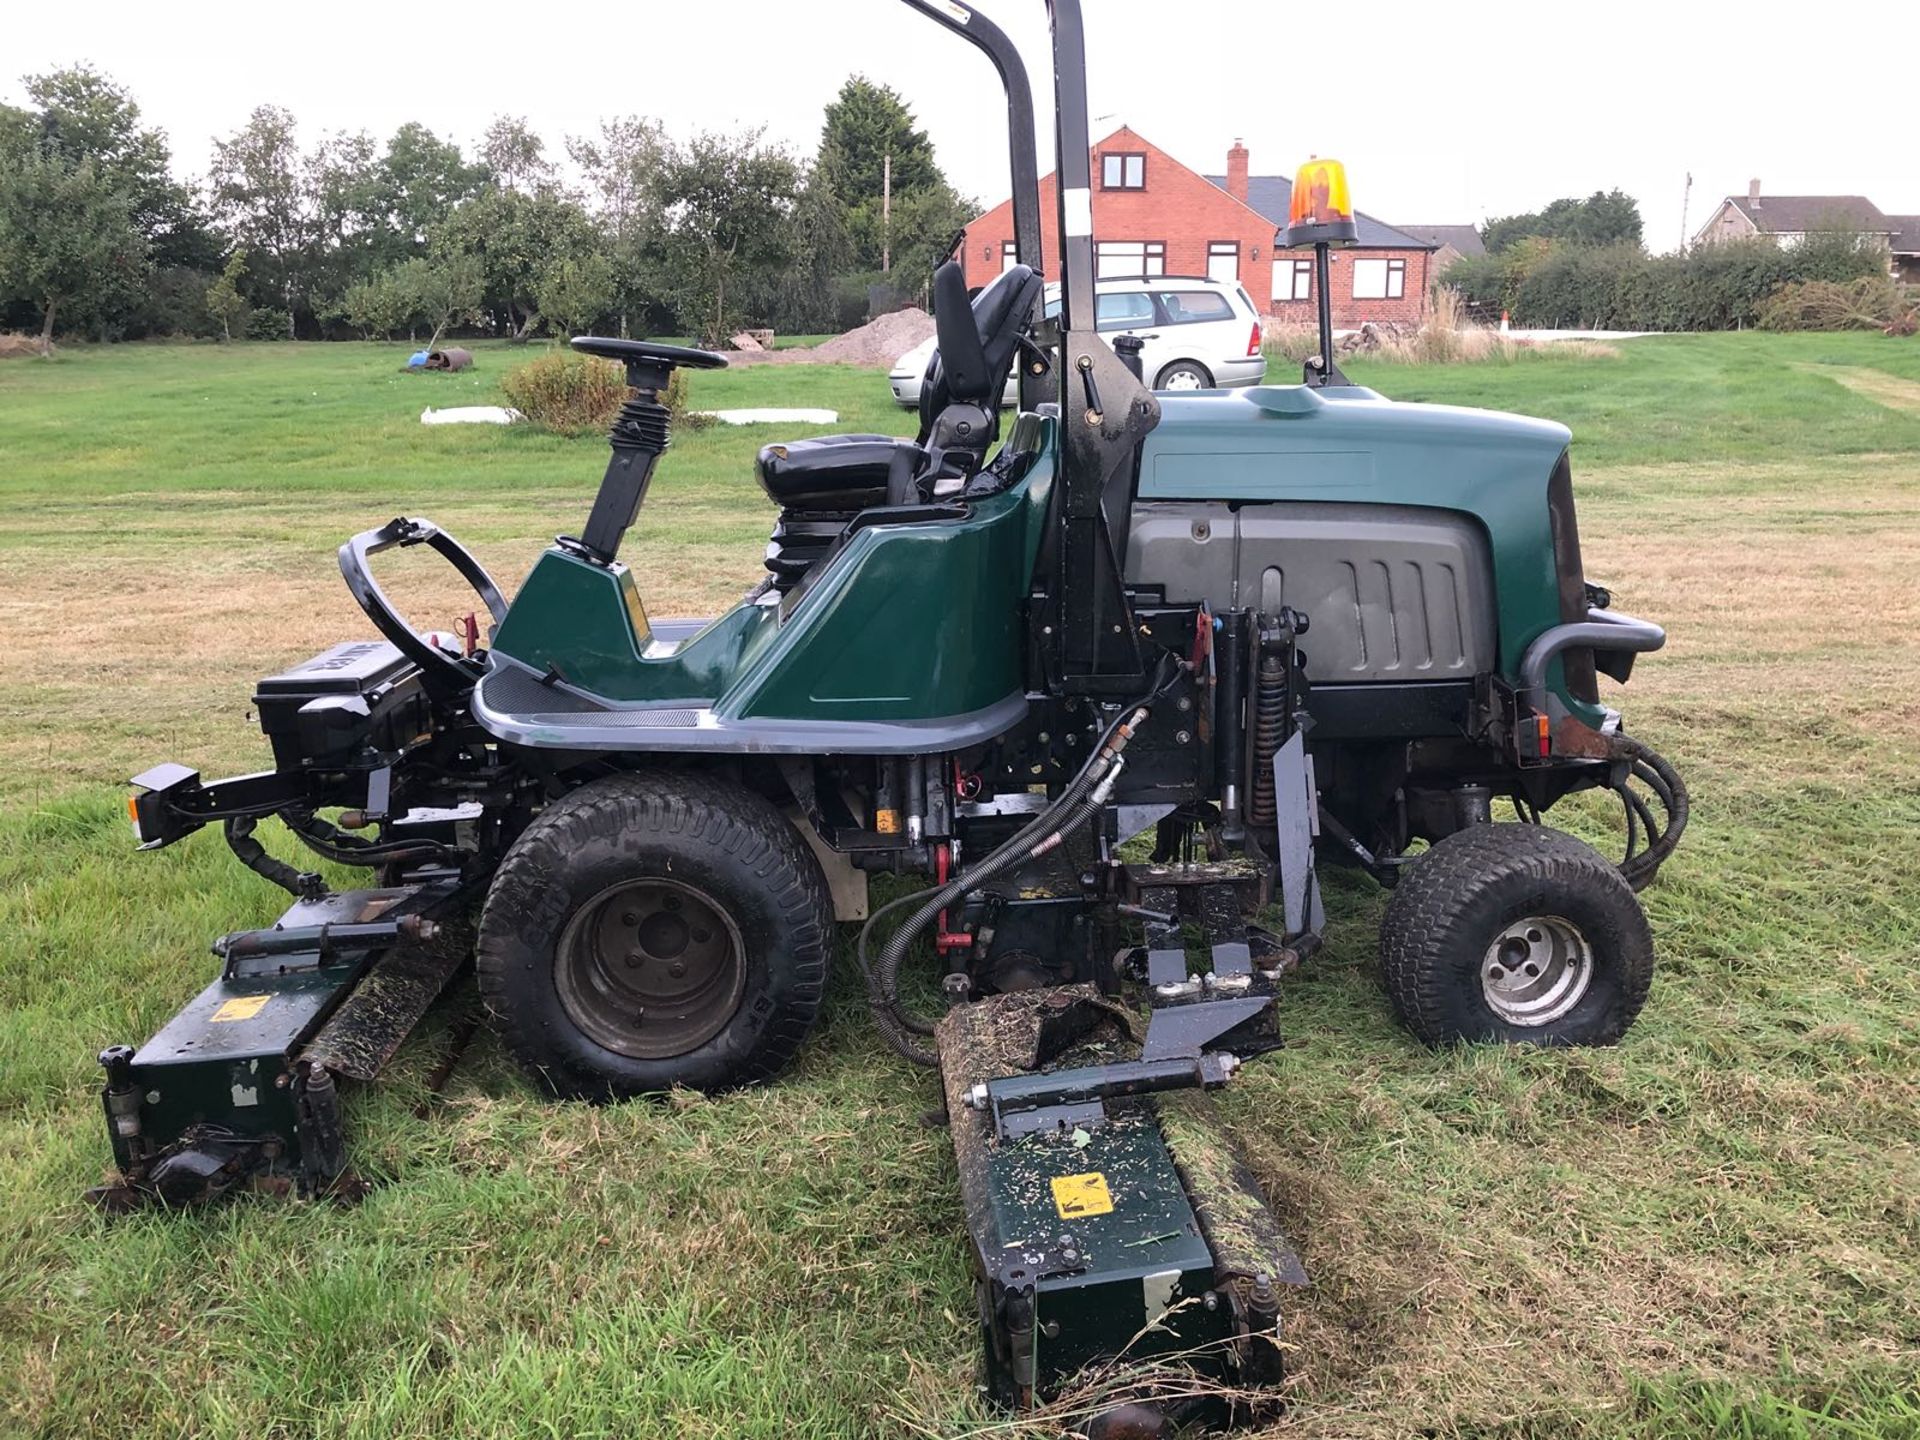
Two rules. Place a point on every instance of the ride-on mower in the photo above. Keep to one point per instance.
(1113, 681)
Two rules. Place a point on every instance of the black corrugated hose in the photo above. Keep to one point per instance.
(1083, 798)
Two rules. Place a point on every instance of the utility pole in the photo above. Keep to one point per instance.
(886, 212)
(1685, 196)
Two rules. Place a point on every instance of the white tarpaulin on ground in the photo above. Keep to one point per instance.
(774, 417)
(470, 415)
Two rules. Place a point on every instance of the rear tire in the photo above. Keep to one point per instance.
(655, 930)
(1184, 375)
(1516, 934)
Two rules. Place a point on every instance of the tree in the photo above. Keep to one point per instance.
(421, 178)
(1606, 217)
(445, 291)
(514, 156)
(258, 192)
(224, 300)
(67, 235)
(513, 240)
(575, 291)
(897, 211)
(726, 206)
(620, 165)
(84, 115)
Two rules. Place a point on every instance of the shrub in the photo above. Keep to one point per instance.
(566, 393)
(268, 323)
(573, 394)
(1617, 287)
(1871, 302)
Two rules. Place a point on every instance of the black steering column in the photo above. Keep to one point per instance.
(639, 436)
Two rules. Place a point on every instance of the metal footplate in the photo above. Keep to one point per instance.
(239, 1087)
(1116, 1231)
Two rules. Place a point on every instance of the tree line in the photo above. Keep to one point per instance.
(1581, 264)
(631, 228)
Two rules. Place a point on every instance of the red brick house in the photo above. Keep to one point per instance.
(1154, 216)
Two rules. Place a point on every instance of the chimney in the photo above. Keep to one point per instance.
(1753, 193)
(1237, 171)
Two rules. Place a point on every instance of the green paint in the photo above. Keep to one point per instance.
(1353, 445)
(1150, 1232)
(911, 622)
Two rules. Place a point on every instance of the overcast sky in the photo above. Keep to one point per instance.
(1443, 113)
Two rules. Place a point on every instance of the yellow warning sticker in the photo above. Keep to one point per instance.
(243, 1007)
(1078, 1195)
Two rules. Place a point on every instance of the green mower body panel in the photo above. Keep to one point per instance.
(915, 621)
(1347, 443)
(911, 621)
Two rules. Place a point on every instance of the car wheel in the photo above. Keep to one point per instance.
(1518, 934)
(1184, 375)
(655, 930)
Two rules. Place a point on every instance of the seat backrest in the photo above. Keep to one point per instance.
(977, 341)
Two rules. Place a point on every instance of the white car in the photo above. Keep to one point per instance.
(1200, 334)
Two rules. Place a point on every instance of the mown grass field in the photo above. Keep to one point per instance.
(1711, 1230)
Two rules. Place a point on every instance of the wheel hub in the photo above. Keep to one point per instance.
(650, 968)
(1536, 970)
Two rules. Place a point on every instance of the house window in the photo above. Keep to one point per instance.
(1130, 259)
(1379, 279)
(1009, 255)
(1123, 172)
(1223, 260)
(1296, 280)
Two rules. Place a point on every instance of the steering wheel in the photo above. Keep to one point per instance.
(440, 669)
(648, 362)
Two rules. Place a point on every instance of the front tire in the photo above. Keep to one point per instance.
(648, 931)
(1517, 934)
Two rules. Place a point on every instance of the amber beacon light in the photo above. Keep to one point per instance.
(1321, 211)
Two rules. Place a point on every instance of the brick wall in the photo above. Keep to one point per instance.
(1188, 214)
(1177, 207)
(1409, 308)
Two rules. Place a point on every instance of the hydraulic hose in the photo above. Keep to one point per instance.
(1083, 798)
(253, 855)
(1653, 771)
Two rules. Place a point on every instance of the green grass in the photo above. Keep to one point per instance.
(1711, 1230)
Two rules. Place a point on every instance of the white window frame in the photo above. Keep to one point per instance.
(1009, 255)
(1382, 278)
(1299, 275)
(1129, 259)
(1227, 251)
(1123, 170)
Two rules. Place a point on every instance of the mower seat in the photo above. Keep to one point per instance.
(839, 473)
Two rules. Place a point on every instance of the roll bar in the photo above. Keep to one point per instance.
(980, 32)
(1105, 411)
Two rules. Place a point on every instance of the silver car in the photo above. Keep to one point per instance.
(1200, 335)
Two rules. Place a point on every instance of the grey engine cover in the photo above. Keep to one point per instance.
(1394, 592)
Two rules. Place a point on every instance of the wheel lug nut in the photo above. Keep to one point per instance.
(632, 917)
(634, 957)
(676, 970)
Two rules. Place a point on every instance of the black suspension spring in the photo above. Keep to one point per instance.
(1269, 729)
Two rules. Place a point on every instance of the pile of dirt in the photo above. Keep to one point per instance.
(876, 344)
(880, 342)
(11, 345)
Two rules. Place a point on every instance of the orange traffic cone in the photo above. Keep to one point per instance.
(1503, 322)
